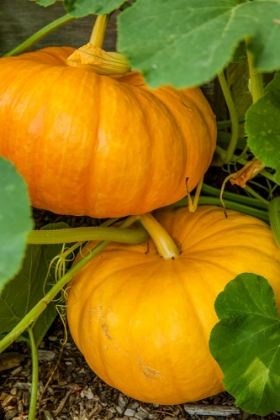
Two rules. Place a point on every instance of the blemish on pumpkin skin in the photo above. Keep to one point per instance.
(147, 371)
(105, 328)
(94, 311)
(150, 373)
(97, 316)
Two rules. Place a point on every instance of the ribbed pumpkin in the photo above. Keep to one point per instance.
(143, 323)
(102, 146)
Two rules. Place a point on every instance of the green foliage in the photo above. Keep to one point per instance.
(246, 343)
(45, 3)
(187, 42)
(263, 127)
(29, 286)
(15, 220)
(81, 8)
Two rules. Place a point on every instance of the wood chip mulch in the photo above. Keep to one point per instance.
(68, 389)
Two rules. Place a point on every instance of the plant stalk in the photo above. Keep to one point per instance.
(164, 243)
(256, 77)
(35, 375)
(238, 198)
(232, 205)
(39, 35)
(99, 30)
(99, 233)
(228, 123)
(233, 117)
(193, 204)
(256, 195)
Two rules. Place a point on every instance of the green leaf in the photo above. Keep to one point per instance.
(263, 127)
(15, 220)
(237, 78)
(28, 287)
(246, 343)
(240, 54)
(187, 42)
(81, 8)
(45, 3)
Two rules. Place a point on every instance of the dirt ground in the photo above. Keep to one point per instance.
(68, 389)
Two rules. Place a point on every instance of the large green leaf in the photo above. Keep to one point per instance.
(15, 220)
(263, 127)
(187, 42)
(81, 8)
(237, 79)
(28, 287)
(246, 343)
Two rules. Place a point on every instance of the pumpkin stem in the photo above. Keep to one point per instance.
(92, 57)
(164, 243)
(99, 30)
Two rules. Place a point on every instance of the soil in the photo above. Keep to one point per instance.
(68, 389)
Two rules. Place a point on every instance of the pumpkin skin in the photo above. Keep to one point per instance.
(101, 146)
(143, 323)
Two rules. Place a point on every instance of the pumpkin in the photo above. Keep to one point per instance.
(143, 323)
(98, 145)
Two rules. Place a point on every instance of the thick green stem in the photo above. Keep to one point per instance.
(232, 205)
(274, 219)
(99, 30)
(43, 303)
(238, 198)
(256, 78)
(39, 35)
(101, 233)
(256, 195)
(35, 375)
(228, 123)
(233, 117)
(164, 243)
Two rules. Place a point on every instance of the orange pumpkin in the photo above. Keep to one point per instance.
(143, 323)
(102, 146)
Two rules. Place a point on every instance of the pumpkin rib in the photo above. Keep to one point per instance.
(190, 103)
(140, 194)
(92, 173)
(226, 246)
(215, 231)
(204, 337)
(57, 160)
(130, 333)
(151, 158)
(49, 55)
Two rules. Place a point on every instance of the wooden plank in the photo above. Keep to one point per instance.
(211, 410)
(21, 18)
